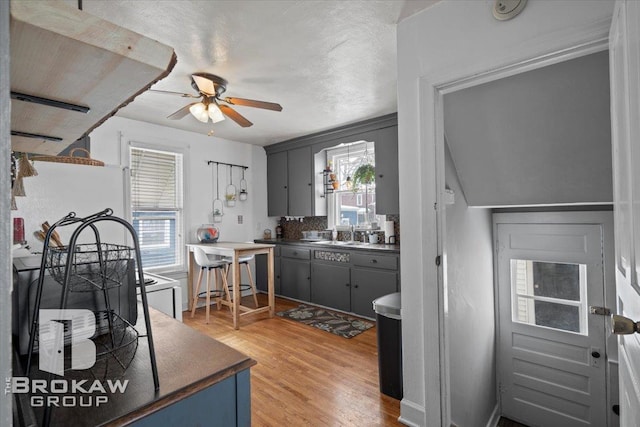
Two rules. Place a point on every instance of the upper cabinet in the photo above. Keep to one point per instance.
(70, 71)
(300, 181)
(277, 188)
(387, 183)
(294, 168)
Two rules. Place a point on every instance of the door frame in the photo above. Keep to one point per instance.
(604, 219)
(432, 89)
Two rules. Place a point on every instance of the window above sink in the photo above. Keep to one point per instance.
(353, 200)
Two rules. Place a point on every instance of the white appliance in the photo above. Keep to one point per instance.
(163, 294)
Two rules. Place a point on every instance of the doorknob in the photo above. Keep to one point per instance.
(623, 325)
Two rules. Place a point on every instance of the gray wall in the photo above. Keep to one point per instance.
(540, 137)
(5, 215)
(471, 309)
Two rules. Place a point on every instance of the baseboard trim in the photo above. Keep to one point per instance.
(411, 414)
(495, 417)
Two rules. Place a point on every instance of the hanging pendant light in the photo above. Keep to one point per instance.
(214, 111)
(199, 111)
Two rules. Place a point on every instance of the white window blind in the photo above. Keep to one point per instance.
(157, 206)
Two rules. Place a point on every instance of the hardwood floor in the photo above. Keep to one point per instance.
(304, 376)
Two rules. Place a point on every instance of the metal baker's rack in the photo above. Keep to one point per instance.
(95, 267)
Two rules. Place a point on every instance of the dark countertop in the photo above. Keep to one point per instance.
(325, 244)
(188, 362)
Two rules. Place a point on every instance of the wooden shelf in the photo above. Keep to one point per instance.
(64, 54)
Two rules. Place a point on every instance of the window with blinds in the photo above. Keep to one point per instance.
(157, 207)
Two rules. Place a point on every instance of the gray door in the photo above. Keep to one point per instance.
(387, 184)
(369, 284)
(295, 279)
(624, 58)
(277, 184)
(551, 352)
(330, 285)
(300, 182)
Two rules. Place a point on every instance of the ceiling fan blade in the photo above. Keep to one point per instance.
(181, 112)
(184, 95)
(253, 103)
(235, 116)
(204, 85)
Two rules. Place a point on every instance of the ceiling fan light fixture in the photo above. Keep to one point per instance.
(214, 112)
(199, 111)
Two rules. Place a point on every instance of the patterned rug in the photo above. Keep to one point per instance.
(337, 323)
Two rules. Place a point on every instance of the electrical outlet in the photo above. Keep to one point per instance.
(240, 219)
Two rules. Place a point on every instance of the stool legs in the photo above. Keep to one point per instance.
(195, 294)
(208, 309)
(253, 286)
(251, 283)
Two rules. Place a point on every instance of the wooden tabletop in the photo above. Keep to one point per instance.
(188, 362)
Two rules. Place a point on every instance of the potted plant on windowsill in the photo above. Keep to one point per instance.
(365, 175)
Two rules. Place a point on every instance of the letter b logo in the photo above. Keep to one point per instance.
(51, 336)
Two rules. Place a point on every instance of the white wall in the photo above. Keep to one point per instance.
(60, 188)
(450, 41)
(471, 321)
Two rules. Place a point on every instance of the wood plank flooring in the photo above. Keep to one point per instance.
(304, 376)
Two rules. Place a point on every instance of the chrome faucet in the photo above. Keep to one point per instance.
(353, 233)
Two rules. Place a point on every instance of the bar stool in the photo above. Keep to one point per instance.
(244, 260)
(218, 266)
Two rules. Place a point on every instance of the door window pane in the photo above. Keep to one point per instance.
(549, 294)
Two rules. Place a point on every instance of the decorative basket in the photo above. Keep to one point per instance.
(70, 158)
(94, 267)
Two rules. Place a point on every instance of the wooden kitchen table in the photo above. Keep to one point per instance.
(235, 250)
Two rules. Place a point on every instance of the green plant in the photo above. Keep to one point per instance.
(365, 174)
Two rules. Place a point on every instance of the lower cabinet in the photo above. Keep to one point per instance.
(295, 279)
(346, 280)
(369, 284)
(261, 272)
(331, 285)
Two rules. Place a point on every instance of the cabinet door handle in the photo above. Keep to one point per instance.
(355, 286)
(374, 261)
(285, 186)
(308, 278)
(346, 284)
(380, 176)
(309, 184)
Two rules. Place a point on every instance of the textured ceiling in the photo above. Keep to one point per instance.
(328, 63)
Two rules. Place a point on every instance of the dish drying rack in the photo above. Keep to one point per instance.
(95, 267)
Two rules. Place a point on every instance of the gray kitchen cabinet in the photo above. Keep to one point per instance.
(295, 278)
(277, 191)
(261, 272)
(300, 181)
(368, 284)
(330, 285)
(387, 182)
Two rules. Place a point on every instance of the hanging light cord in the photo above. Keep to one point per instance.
(217, 183)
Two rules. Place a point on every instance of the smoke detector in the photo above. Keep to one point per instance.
(507, 9)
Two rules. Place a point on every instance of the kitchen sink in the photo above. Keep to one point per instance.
(345, 243)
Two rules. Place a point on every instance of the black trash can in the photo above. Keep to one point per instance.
(388, 325)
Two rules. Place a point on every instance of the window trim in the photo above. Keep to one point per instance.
(356, 149)
(126, 159)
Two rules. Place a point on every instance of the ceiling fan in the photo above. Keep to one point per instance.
(212, 106)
